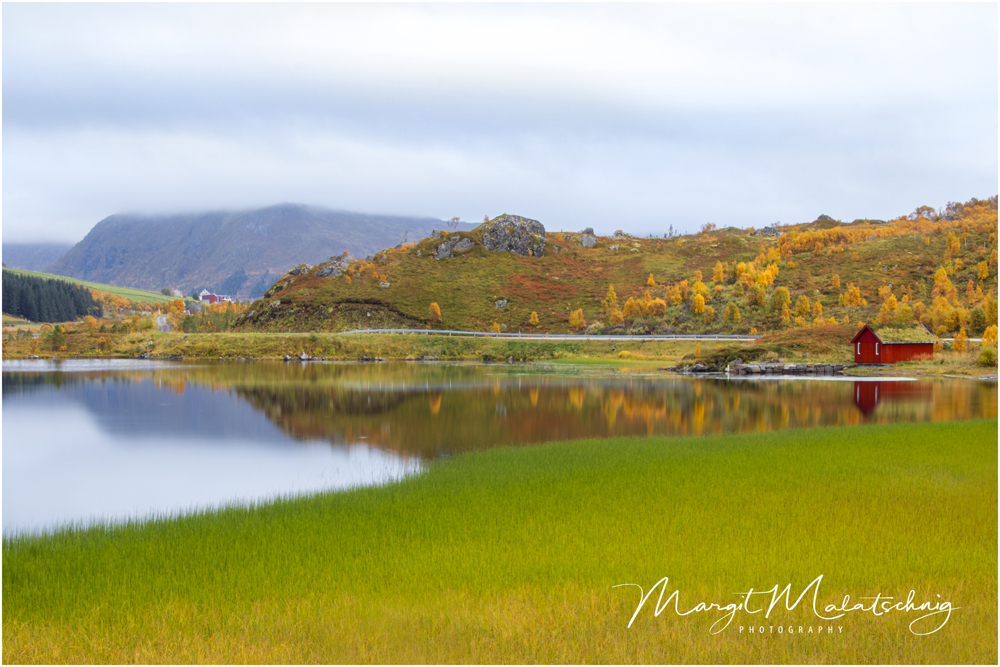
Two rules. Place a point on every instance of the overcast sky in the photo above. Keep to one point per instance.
(611, 116)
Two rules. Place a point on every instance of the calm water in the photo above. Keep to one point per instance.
(86, 441)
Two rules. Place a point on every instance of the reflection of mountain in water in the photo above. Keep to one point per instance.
(428, 411)
(125, 407)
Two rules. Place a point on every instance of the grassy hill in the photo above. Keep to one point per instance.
(229, 252)
(124, 292)
(569, 276)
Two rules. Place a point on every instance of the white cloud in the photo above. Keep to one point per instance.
(604, 115)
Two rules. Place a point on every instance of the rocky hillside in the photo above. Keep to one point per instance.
(240, 252)
(33, 256)
(511, 275)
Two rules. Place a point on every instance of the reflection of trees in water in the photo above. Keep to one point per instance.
(431, 420)
(428, 410)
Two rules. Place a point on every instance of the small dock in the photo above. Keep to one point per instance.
(785, 369)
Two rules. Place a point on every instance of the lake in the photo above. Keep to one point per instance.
(87, 441)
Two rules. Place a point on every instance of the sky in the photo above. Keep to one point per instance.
(613, 116)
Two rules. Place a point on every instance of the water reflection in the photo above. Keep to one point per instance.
(104, 440)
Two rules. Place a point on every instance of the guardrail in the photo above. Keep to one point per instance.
(544, 336)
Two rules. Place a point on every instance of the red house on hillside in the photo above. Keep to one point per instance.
(888, 345)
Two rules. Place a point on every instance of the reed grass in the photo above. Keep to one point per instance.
(511, 555)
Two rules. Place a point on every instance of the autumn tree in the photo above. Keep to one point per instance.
(629, 310)
(435, 312)
(611, 298)
(961, 338)
(756, 295)
(576, 319)
(533, 320)
(984, 270)
(802, 306)
(658, 307)
(709, 314)
(682, 286)
(941, 282)
(853, 296)
(903, 315)
(615, 317)
(817, 309)
(780, 299)
(855, 257)
(990, 336)
(719, 272)
(699, 305)
(650, 282)
(732, 314)
(953, 244)
(835, 282)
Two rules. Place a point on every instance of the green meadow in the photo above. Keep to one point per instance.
(126, 292)
(513, 555)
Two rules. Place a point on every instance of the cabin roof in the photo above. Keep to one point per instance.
(890, 335)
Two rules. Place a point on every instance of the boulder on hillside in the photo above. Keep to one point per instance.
(512, 233)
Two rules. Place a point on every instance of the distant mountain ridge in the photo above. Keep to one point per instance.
(243, 251)
(33, 256)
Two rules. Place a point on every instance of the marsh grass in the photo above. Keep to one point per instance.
(510, 555)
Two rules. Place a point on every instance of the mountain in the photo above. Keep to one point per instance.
(230, 252)
(940, 270)
(33, 256)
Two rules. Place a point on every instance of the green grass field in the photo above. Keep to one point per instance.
(512, 555)
(126, 292)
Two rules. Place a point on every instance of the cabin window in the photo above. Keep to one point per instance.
(859, 348)
(876, 349)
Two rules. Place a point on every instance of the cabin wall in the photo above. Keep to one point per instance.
(896, 352)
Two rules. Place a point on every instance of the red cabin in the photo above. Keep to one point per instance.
(889, 345)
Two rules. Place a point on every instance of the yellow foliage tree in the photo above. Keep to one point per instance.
(630, 310)
(650, 282)
(576, 319)
(719, 272)
(435, 312)
(699, 304)
(953, 244)
(855, 257)
(658, 307)
(835, 282)
(984, 270)
(611, 298)
(709, 314)
(615, 317)
(960, 340)
(802, 306)
(990, 336)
